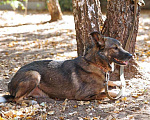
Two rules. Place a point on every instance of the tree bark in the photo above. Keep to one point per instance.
(54, 10)
(118, 24)
(88, 18)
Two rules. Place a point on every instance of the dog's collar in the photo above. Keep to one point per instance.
(101, 67)
(97, 65)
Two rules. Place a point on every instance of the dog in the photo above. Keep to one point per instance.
(82, 78)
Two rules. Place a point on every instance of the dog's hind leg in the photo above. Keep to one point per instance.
(26, 82)
(40, 95)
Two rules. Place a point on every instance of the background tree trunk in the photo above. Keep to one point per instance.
(54, 10)
(118, 24)
(88, 18)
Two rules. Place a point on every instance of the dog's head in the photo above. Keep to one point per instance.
(107, 50)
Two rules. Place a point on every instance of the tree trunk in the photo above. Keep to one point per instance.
(54, 10)
(118, 24)
(88, 18)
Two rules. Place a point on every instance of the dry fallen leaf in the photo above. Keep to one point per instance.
(9, 114)
(87, 102)
(116, 111)
(75, 106)
(6, 53)
(51, 112)
(1, 118)
(83, 102)
(124, 99)
(135, 95)
(146, 101)
(29, 117)
(117, 101)
(64, 104)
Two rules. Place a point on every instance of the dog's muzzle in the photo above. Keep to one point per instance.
(123, 60)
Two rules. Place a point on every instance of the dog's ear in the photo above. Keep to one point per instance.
(98, 38)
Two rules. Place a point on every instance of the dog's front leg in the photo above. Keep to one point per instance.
(114, 83)
(112, 93)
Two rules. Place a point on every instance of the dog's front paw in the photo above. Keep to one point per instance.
(114, 83)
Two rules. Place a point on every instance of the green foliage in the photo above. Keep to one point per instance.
(66, 5)
(14, 3)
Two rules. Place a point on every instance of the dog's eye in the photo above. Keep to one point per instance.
(116, 48)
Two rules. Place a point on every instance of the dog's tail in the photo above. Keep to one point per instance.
(6, 98)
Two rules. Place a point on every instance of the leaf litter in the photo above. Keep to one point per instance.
(22, 44)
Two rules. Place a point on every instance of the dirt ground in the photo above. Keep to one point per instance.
(23, 40)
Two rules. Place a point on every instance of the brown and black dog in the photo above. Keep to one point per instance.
(79, 79)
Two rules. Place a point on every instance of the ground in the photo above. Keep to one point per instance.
(24, 39)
